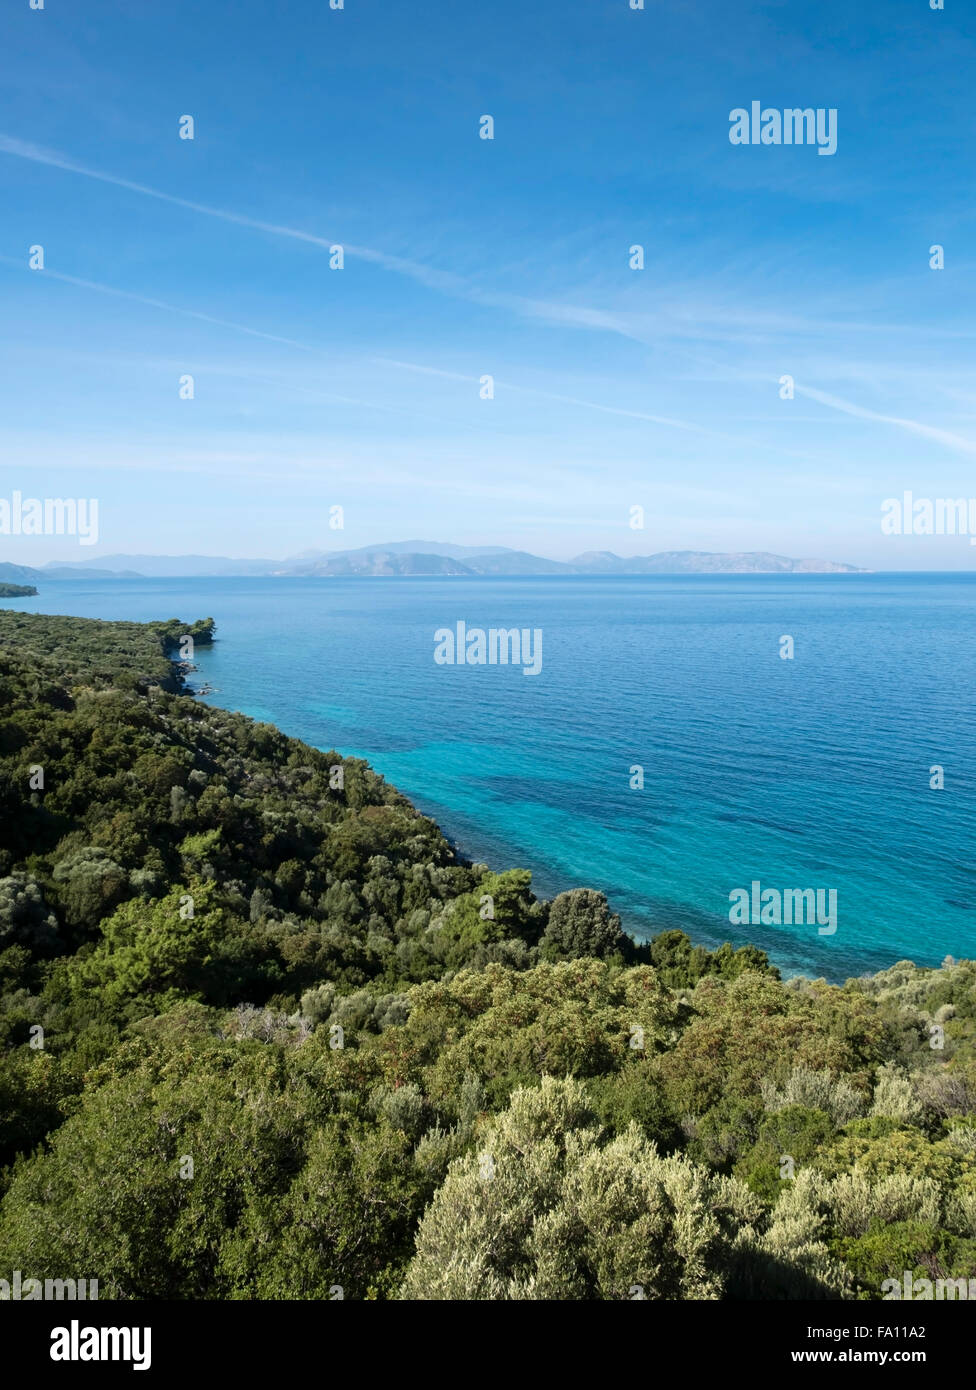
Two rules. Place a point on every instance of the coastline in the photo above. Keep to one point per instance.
(739, 775)
(262, 958)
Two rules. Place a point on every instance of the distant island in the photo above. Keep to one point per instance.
(383, 561)
(17, 591)
(424, 558)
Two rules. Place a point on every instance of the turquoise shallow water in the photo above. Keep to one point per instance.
(810, 773)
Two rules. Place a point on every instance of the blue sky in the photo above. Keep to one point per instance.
(466, 257)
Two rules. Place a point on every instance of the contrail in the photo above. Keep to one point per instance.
(22, 149)
(550, 396)
(952, 441)
(159, 304)
(446, 282)
(38, 155)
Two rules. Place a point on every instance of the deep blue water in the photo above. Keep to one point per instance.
(810, 773)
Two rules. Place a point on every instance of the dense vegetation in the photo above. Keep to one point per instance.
(17, 591)
(264, 1034)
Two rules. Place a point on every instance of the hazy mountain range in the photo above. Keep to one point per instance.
(420, 557)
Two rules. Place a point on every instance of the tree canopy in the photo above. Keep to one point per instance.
(264, 1033)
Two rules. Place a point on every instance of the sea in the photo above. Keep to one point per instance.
(673, 749)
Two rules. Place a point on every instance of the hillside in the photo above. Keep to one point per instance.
(380, 563)
(251, 993)
(25, 574)
(429, 558)
(705, 562)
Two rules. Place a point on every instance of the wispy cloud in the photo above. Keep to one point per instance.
(545, 395)
(445, 282)
(694, 318)
(80, 283)
(37, 154)
(951, 441)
